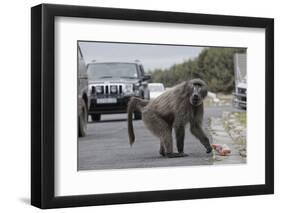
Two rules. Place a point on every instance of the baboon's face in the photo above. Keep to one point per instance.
(197, 95)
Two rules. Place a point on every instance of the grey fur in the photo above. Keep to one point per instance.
(175, 108)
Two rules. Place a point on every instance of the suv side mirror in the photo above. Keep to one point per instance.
(146, 77)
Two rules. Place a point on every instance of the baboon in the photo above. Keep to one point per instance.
(174, 108)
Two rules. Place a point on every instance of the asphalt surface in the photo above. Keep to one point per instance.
(106, 145)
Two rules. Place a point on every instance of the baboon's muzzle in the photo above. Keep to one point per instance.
(195, 100)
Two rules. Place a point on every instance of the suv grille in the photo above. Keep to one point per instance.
(242, 90)
(112, 89)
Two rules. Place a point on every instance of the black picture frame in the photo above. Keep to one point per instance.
(43, 102)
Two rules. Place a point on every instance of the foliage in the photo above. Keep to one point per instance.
(214, 65)
(242, 118)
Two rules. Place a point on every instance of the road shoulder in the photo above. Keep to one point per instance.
(222, 134)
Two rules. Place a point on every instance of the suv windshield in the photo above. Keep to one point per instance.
(112, 70)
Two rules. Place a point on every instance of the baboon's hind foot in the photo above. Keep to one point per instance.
(162, 151)
(176, 155)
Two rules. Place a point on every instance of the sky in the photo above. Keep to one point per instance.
(151, 56)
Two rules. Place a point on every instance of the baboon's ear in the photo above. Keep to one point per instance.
(204, 91)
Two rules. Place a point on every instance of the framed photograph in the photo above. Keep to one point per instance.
(136, 106)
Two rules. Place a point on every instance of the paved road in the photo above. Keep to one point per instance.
(106, 145)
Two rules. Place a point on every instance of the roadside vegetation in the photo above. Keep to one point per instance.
(242, 118)
(213, 65)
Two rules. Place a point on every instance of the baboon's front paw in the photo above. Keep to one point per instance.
(182, 154)
(209, 150)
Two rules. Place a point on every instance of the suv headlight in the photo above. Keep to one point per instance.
(113, 89)
(99, 89)
(128, 88)
(136, 89)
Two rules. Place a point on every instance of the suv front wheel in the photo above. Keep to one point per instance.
(82, 120)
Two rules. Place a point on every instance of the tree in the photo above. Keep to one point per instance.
(213, 65)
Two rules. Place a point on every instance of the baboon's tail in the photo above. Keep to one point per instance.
(135, 104)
